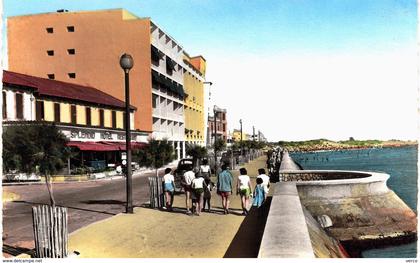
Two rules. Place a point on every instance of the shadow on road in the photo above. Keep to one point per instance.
(14, 251)
(70, 207)
(104, 202)
(246, 243)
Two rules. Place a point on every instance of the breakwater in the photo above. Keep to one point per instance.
(364, 212)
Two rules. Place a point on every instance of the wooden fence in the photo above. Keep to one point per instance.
(50, 231)
(157, 196)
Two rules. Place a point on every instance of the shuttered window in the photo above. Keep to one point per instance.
(88, 116)
(114, 119)
(4, 105)
(57, 112)
(39, 110)
(73, 113)
(101, 118)
(19, 106)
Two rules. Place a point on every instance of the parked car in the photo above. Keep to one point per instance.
(183, 166)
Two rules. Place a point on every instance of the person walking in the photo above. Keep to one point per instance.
(169, 188)
(205, 169)
(259, 196)
(224, 187)
(244, 189)
(207, 194)
(266, 180)
(187, 179)
(198, 186)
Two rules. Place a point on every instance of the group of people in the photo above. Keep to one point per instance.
(198, 189)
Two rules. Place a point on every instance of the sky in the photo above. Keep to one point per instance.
(296, 69)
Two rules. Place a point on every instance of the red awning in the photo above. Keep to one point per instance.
(104, 146)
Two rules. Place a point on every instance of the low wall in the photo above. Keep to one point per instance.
(291, 231)
(363, 210)
(286, 234)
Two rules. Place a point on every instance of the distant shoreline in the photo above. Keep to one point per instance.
(329, 148)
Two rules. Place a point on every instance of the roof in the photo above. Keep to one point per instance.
(63, 90)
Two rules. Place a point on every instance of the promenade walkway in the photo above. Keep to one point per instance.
(152, 233)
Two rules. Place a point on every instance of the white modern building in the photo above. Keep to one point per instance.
(167, 89)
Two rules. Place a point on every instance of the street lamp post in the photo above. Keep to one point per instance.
(126, 63)
(240, 121)
(215, 139)
(208, 115)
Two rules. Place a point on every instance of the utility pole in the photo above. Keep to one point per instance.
(253, 133)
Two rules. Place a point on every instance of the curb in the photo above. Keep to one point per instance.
(115, 177)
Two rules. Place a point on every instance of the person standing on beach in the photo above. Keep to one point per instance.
(224, 187)
(244, 189)
(186, 183)
(169, 187)
(266, 181)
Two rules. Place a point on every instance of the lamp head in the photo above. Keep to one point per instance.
(126, 62)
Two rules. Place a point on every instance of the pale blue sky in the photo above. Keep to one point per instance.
(270, 41)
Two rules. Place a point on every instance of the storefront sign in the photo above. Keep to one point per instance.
(82, 135)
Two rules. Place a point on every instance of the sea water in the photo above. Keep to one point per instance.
(400, 163)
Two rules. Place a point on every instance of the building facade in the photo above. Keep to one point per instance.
(194, 108)
(85, 47)
(92, 120)
(220, 132)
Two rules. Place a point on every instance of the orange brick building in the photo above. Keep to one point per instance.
(85, 48)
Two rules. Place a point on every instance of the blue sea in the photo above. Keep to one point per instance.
(400, 163)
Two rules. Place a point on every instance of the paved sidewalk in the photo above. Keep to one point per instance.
(152, 233)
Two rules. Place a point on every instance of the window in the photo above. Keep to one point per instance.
(88, 116)
(155, 55)
(101, 118)
(56, 112)
(71, 51)
(39, 110)
(72, 75)
(19, 106)
(114, 119)
(4, 105)
(70, 29)
(154, 99)
(124, 122)
(51, 76)
(50, 52)
(224, 127)
(73, 114)
(50, 30)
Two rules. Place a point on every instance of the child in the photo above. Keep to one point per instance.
(169, 187)
(198, 186)
(207, 193)
(243, 187)
(259, 196)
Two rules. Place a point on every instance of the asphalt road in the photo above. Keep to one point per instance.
(87, 202)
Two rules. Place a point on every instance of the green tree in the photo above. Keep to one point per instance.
(220, 145)
(156, 154)
(197, 152)
(35, 148)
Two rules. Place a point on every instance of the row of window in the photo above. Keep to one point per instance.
(70, 51)
(40, 115)
(50, 30)
(218, 127)
(71, 75)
